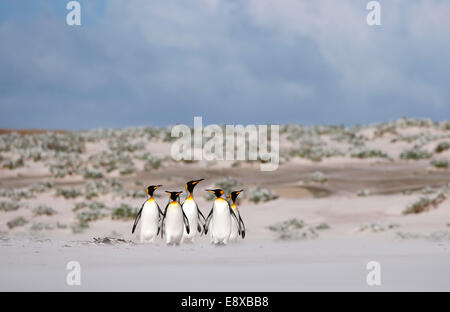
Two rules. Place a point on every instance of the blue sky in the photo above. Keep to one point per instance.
(162, 62)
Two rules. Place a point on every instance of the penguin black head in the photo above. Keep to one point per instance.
(174, 195)
(191, 184)
(151, 189)
(217, 192)
(234, 195)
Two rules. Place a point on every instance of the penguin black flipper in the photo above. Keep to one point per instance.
(237, 221)
(159, 219)
(162, 221)
(243, 226)
(186, 222)
(160, 211)
(201, 214)
(138, 217)
(208, 219)
(200, 227)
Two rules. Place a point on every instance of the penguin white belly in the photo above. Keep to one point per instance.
(220, 222)
(190, 209)
(149, 222)
(173, 225)
(234, 228)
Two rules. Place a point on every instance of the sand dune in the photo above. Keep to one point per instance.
(345, 211)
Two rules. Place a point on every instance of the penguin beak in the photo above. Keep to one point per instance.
(196, 181)
(157, 186)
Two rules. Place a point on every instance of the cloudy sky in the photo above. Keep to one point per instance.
(161, 62)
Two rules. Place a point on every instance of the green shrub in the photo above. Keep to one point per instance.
(364, 193)
(44, 210)
(40, 187)
(8, 206)
(127, 170)
(440, 163)
(16, 222)
(61, 225)
(322, 226)
(13, 164)
(96, 188)
(124, 212)
(425, 204)
(68, 193)
(153, 162)
(293, 229)
(415, 154)
(376, 227)
(58, 171)
(94, 211)
(314, 153)
(79, 227)
(137, 193)
(79, 206)
(261, 195)
(86, 216)
(319, 177)
(39, 226)
(92, 174)
(368, 153)
(68, 142)
(441, 147)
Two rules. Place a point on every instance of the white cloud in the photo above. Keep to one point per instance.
(259, 57)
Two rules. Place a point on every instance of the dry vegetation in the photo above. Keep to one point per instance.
(102, 174)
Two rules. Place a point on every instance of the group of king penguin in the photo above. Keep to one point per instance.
(181, 222)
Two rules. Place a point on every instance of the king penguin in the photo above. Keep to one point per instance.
(174, 220)
(238, 222)
(192, 212)
(150, 213)
(218, 222)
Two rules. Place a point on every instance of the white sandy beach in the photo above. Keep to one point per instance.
(323, 265)
(355, 215)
